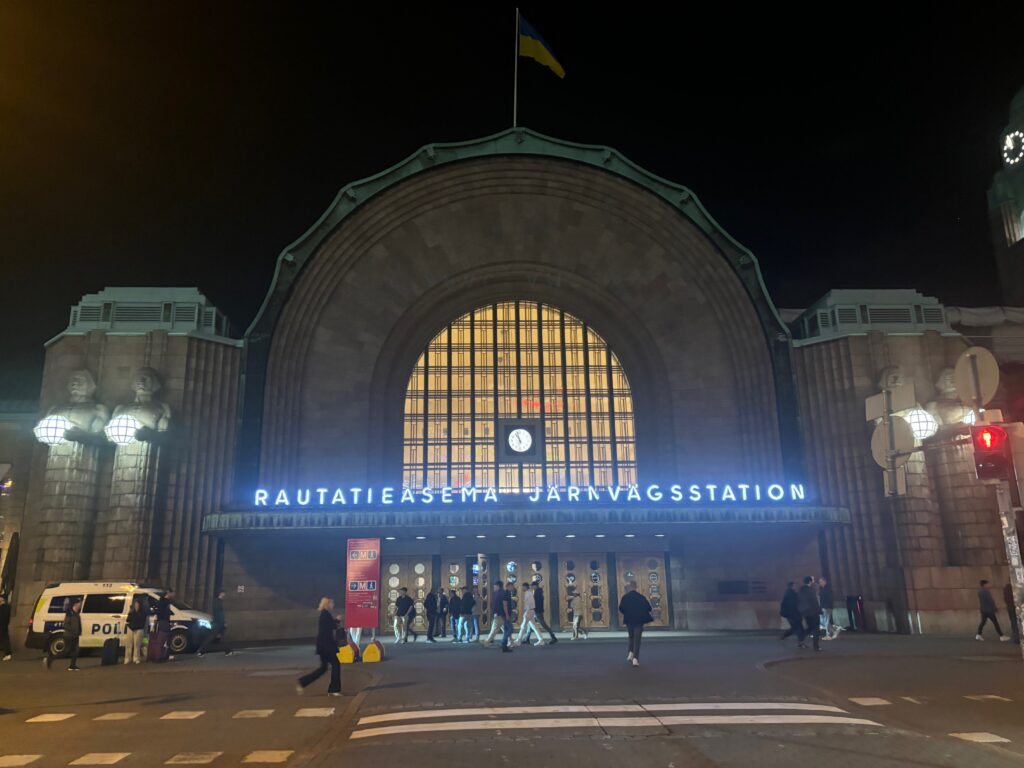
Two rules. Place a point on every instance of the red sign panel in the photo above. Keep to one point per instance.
(362, 591)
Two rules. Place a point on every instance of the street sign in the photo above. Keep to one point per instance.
(903, 439)
(976, 376)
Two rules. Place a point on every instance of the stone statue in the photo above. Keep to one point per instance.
(946, 408)
(152, 415)
(87, 417)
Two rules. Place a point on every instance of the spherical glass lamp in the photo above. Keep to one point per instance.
(121, 429)
(922, 423)
(50, 431)
(970, 417)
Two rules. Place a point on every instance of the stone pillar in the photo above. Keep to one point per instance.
(677, 582)
(918, 522)
(67, 512)
(130, 520)
(968, 508)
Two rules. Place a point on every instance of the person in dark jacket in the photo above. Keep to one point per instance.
(538, 607)
(826, 600)
(987, 606)
(72, 634)
(5, 628)
(442, 612)
(466, 603)
(326, 649)
(810, 610)
(405, 614)
(135, 630)
(789, 609)
(504, 607)
(636, 612)
(1011, 611)
(430, 607)
(454, 613)
(218, 626)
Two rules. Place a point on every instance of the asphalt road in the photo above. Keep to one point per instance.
(733, 700)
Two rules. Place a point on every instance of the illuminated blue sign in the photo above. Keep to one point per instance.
(719, 494)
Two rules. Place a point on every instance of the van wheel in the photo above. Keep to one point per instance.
(57, 646)
(179, 642)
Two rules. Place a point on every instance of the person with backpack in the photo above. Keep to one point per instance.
(405, 614)
(987, 606)
(636, 611)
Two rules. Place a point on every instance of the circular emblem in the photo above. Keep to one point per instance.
(1013, 148)
(520, 440)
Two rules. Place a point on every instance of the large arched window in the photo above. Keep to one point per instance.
(518, 359)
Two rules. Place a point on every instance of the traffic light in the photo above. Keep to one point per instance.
(992, 458)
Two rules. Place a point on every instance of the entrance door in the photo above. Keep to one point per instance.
(410, 572)
(585, 575)
(648, 571)
(517, 570)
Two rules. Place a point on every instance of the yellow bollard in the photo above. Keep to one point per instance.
(373, 652)
(347, 653)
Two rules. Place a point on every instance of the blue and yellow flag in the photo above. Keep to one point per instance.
(533, 46)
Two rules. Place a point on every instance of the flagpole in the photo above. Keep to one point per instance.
(515, 82)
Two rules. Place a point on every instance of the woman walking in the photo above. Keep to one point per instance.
(576, 615)
(135, 630)
(326, 649)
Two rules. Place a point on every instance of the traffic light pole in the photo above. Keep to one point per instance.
(1008, 520)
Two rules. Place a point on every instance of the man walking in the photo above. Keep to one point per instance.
(405, 614)
(810, 610)
(505, 604)
(5, 626)
(430, 606)
(475, 616)
(466, 604)
(636, 612)
(527, 617)
(790, 611)
(72, 633)
(454, 613)
(538, 602)
(442, 612)
(825, 598)
(218, 628)
(987, 606)
(497, 613)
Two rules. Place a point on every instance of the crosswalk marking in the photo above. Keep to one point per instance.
(184, 715)
(247, 714)
(54, 717)
(315, 712)
(981, 737)
(117, 716)
(16, 761)
(100, 758)
(911, 699)
(193, 758)
(725, 705)
(987, 697)
(870, 701)
(269, 756)
(765, 720)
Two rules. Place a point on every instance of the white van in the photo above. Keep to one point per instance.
(105, 608)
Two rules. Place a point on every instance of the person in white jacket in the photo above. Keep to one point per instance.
(529, 616)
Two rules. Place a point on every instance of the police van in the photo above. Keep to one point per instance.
(105, 607)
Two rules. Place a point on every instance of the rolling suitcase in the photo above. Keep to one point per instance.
(157, 646)
(111, 647)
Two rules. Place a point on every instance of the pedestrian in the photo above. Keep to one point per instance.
(430, 606)
(538, 603)
(636, 612)
(72, 633)
(326, 649)
(218, 626)
(576, 616)
(454, 613)
(789, 609)
(475, 614)
(442, 612)
(810, 611)
(527, 617)
(505, 606)
(466, 604)
(135, 631)
(1011, 610)
(5, 628)
(987, 606)
(405, 614)
(825, 598)
(497, 612)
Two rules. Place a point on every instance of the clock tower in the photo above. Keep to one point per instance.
(1006, 206)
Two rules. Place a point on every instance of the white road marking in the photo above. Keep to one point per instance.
(117, 716)
(871, 701)
(480, 711)
(911, 699)
(987, 697)
(245, 714)
(980, 737)
(100, 758)
(15, 761)
(315, 712)
(618, 722)
(56, 717)
(193, 758)
(184, 715)
(269, 756)
(720, 705)
(614, 708)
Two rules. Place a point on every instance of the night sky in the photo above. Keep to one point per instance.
(158, 143)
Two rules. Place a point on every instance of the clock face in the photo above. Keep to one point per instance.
(520, 440)
(1013, 147)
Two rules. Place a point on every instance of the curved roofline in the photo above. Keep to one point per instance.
(513, 141)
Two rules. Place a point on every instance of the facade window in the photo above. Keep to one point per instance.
(518, 359)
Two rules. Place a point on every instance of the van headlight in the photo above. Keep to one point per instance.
(205, 624)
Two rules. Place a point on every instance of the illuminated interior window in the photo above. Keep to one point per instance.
(518, 359)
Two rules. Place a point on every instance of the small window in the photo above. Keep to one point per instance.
(104, 604)
(61, 603)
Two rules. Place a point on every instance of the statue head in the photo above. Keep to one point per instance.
(81, 386)
(146, 384)
(890, 378)
(945, 385)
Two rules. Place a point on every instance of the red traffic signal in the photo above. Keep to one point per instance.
(992, 460)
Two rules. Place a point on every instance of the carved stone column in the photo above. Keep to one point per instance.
(67, 514)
